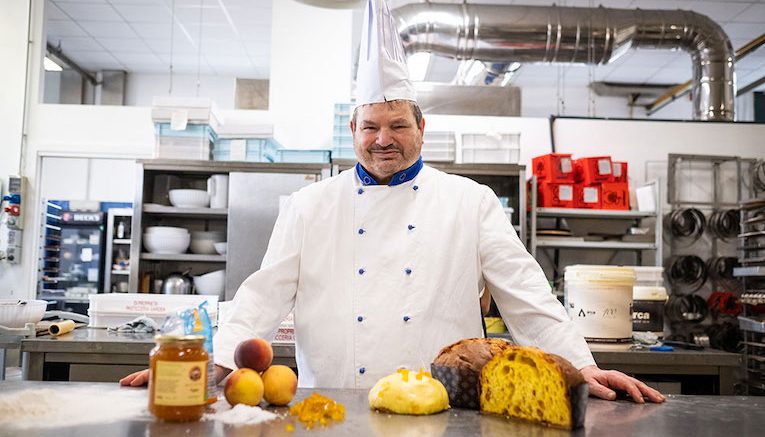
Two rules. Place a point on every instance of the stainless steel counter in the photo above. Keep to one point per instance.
(99, 355)
(680, 415)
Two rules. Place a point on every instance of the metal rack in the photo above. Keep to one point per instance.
(254, 192)
(569, 243)
(751, 256)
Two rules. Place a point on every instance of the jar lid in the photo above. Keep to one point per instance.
(180, 339)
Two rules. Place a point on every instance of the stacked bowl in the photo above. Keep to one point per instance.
(189, 198)
(166, 240)
(203, 242)
(210, 283)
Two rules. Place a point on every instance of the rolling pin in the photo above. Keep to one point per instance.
(59, 328)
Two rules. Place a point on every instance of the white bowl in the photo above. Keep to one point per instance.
(166, 230)
(203, 242)
(221, 247)
(189, 198)
(14, 314)
(211, 283)
(171, 244)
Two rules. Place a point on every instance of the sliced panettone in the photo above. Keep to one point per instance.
(458, 366)
(529, 384)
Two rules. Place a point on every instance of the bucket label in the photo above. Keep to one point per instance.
(648, 315)
(601, 320)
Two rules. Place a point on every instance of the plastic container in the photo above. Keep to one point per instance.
(112, 309)
(343, 153)
(599, 301)
(587, 196)
(615, 196)
(593, 170)
(315, 156)
(491, 148)
(245, 149)
(193, 142)
(649, 276)
(620, 171)
(648, 309)
(439, 146)
(553, 167)
(555, 195)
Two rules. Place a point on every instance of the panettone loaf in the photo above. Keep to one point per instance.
(529, 384)
(470, 353)
(458, 367)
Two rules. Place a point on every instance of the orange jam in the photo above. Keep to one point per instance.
(317, 409)
(178, 378)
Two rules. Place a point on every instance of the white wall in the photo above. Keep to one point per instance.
(310, 71)
(140, 89)
(542, 101)
(13, 52)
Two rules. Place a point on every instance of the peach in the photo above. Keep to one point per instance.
(255, 354)
(280, 385)
(244, 386)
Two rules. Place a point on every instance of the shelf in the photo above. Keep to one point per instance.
(593, 213)
(749, 271)
(121, 272)
(121, 241)
(183, 257)
(185, 212)
(618, 245)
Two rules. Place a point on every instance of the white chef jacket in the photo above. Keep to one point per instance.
(381, 277)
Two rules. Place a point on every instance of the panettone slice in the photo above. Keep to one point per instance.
(529, 384)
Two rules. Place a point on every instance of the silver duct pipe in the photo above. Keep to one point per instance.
(492, 33)
(477, 73)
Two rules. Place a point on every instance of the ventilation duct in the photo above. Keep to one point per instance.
(527, 34)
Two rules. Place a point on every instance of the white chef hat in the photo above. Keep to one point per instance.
(382, 75)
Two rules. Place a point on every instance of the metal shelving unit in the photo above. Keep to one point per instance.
(752, 275)
(112, 275)
(254, 191)
(574, 243)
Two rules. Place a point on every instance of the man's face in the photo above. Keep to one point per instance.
(386, 138)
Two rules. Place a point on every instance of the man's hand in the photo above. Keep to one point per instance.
(141, 377)
(603, 382)
(136, 379)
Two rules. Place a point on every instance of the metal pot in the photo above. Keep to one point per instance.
(177, 283)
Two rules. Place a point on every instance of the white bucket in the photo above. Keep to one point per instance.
(599, 301)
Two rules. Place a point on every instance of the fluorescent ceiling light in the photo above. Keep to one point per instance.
(418, 64)
(50, 65)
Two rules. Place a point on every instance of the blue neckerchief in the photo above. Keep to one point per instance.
(398, 178)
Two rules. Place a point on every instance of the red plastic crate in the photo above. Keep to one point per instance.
(593, 170)
(615, 195)
(553, 167)
(555, 195)
(587, 196)
(619, 171)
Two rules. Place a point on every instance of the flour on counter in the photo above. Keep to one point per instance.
(239, 415)
(48, 408)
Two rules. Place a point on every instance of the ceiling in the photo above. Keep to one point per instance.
(135, 36)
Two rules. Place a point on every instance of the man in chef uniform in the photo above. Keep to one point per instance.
(383, 264)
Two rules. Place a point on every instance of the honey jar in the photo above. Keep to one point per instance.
(178, 377)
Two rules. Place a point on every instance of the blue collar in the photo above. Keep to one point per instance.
(397, 179)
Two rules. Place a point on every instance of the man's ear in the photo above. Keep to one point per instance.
(353, 128)
(422, 125)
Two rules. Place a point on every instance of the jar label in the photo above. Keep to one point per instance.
(180, 383)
